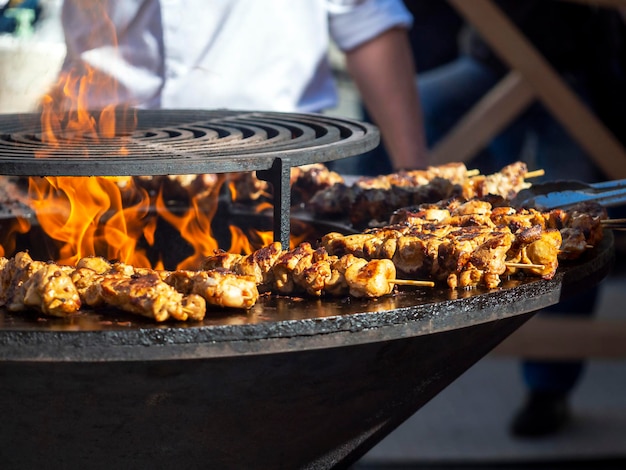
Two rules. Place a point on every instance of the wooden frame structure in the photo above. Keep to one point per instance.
(530, 78)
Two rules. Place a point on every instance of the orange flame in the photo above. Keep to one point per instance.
(239, 241)
(87, 216)
(194, 226)
(8, 242)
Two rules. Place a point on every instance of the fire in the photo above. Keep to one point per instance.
(240, 243)
(87, 216)
(19, 225)
(194, 226)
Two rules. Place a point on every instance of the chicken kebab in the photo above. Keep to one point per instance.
(471, 243)
(462, 243)
(59, 290)
(371, 200)
(225, 280)
(305, 270)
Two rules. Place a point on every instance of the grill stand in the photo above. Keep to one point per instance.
(279, 177)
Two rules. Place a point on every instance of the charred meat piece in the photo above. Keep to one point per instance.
(258, 264)
(506, 183)
(587, 217)
(44, 287)
(416, 254)
(370, 278)
(218, 287)
(544, 251)
(307, 180)
(226, 289)
(315, 278)
(573, 243)
(286, 266)
(148, 295)
(50, 290)
(87, 277)
(87, 283)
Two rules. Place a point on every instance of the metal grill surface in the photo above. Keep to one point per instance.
(182, 142)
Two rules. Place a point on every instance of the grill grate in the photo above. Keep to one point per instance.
(167, 142)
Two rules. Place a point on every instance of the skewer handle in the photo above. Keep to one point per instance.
(614, 224)
(534, 174)
(410, 282)
(525, 265)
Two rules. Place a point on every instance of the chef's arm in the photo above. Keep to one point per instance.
(384, 73)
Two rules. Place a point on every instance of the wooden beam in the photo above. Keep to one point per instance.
(519, 54)
(485, 120)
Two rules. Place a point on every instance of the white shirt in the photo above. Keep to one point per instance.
(238, 54)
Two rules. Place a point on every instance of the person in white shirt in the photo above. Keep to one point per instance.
(269, 55)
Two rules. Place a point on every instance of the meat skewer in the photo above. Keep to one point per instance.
(160, 295)
(316, 273)
(183, 295)
(580, 225)
(453, 236)
(144, 290)
(373, 200)
(148, 295)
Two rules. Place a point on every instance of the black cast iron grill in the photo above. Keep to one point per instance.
(293, 383)
(170, 142)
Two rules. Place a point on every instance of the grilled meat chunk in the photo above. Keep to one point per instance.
(544, 251)
(370, 278)
(225, 289)
(51, 291)
(148, 295)
(258, 264)
(45, 287)
(218, 287)
(289, 265)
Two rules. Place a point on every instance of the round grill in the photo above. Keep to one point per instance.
(166, 142)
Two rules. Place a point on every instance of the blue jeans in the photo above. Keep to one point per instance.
(536, 138)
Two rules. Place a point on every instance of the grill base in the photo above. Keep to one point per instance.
(307, 409)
